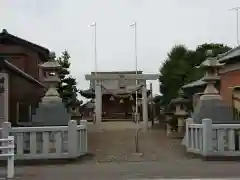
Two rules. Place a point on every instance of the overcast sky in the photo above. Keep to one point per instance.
(63, 24)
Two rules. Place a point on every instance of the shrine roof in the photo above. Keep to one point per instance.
(199, 82)
(231, 54)
(90, 93)
(50, 65)
(117, 72)
(5, 35)
(6, 64)
(211, 62)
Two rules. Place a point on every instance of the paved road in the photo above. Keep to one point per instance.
(127, 171)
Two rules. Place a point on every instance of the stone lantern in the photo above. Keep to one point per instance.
(211, 104)
(211, 67)
(51, 79)
(51, 110)
(180, 110)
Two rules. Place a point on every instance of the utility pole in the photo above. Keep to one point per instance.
(94, 26)
(151, 110)
(237, 14)
(134, 25)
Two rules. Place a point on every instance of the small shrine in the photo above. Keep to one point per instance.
(51, 110)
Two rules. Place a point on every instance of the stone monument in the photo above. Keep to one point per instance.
(51, 110)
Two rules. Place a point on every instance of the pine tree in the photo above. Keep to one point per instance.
(67, 87)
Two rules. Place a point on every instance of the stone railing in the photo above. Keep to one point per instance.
(209, 139)
(48, 142)
(7, 152)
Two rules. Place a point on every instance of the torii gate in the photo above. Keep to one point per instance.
(98, 91)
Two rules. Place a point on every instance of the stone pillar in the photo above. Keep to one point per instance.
(4, 96)
(98, 103)
(145, 108)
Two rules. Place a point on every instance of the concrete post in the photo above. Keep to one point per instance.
(98, 103)
(10, 161)
(85, 139)
(6, 127)
(207, 136)
(4, 98)
(187, 138)
(72, 139)
(145, 108)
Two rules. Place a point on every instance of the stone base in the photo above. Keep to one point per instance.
(212, 158)
(210, 106)
(39, 162)
(114, 126)
(51, 114)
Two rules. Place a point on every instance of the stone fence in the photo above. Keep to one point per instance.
(48, 142)
(212, 140)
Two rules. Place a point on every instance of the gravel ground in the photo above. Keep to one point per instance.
(119, 146)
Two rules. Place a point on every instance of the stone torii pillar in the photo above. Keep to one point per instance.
(145, 107)
(98, 102)
(98, 91)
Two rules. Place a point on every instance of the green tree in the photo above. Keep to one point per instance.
(67, 87)
(179, 67)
